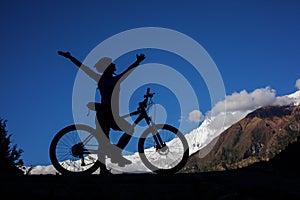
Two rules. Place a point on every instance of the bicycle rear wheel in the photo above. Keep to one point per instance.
(168, 158)
(74, 150)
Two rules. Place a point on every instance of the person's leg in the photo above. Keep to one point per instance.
(123, 141)
(102, 129)
(117, 157)
(128, 132)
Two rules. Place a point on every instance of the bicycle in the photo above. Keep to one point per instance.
(162, 148)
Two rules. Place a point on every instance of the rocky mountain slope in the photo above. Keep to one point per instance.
(259, 136)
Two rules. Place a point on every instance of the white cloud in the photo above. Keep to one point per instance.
(283, 100)
(297, 84)
(196, 116)
(244, 101)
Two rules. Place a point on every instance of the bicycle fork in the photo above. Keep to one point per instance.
(160, 144)
(158, 141)
(157, 138)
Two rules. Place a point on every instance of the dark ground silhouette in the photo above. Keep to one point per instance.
(239, 184)
(277, 179)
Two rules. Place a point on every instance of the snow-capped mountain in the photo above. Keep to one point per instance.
(295, 96)
(205, 133)
(210, 128)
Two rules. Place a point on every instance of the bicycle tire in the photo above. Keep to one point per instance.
(175, 156)
(62, 150)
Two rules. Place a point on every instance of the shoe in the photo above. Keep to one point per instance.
(117, 158)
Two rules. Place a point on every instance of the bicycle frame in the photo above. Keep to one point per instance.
(143, 115)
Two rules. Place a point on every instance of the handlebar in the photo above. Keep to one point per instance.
(148, 95)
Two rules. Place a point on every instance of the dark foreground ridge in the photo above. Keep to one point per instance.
(237, 184)
(275, 179)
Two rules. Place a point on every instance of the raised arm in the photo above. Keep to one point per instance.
(139, 59)
(79, 64)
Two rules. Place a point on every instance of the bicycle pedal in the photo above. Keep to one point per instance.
(122, 164)
(121, 161)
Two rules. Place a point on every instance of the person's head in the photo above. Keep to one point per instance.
(105, 64)
(110, 69)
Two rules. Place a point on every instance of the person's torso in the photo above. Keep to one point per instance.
(109, 91)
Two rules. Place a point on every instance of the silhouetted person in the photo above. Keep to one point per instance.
(109, 87)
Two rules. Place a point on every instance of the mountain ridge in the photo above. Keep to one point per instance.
(259, 136)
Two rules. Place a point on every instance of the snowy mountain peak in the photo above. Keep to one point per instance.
(295, 97)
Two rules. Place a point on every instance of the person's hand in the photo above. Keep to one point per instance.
(140, 57)
(64, 54)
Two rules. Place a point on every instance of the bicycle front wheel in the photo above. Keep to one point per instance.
(163, 149)
(74, 150)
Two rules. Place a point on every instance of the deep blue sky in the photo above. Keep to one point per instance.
(254, 44)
